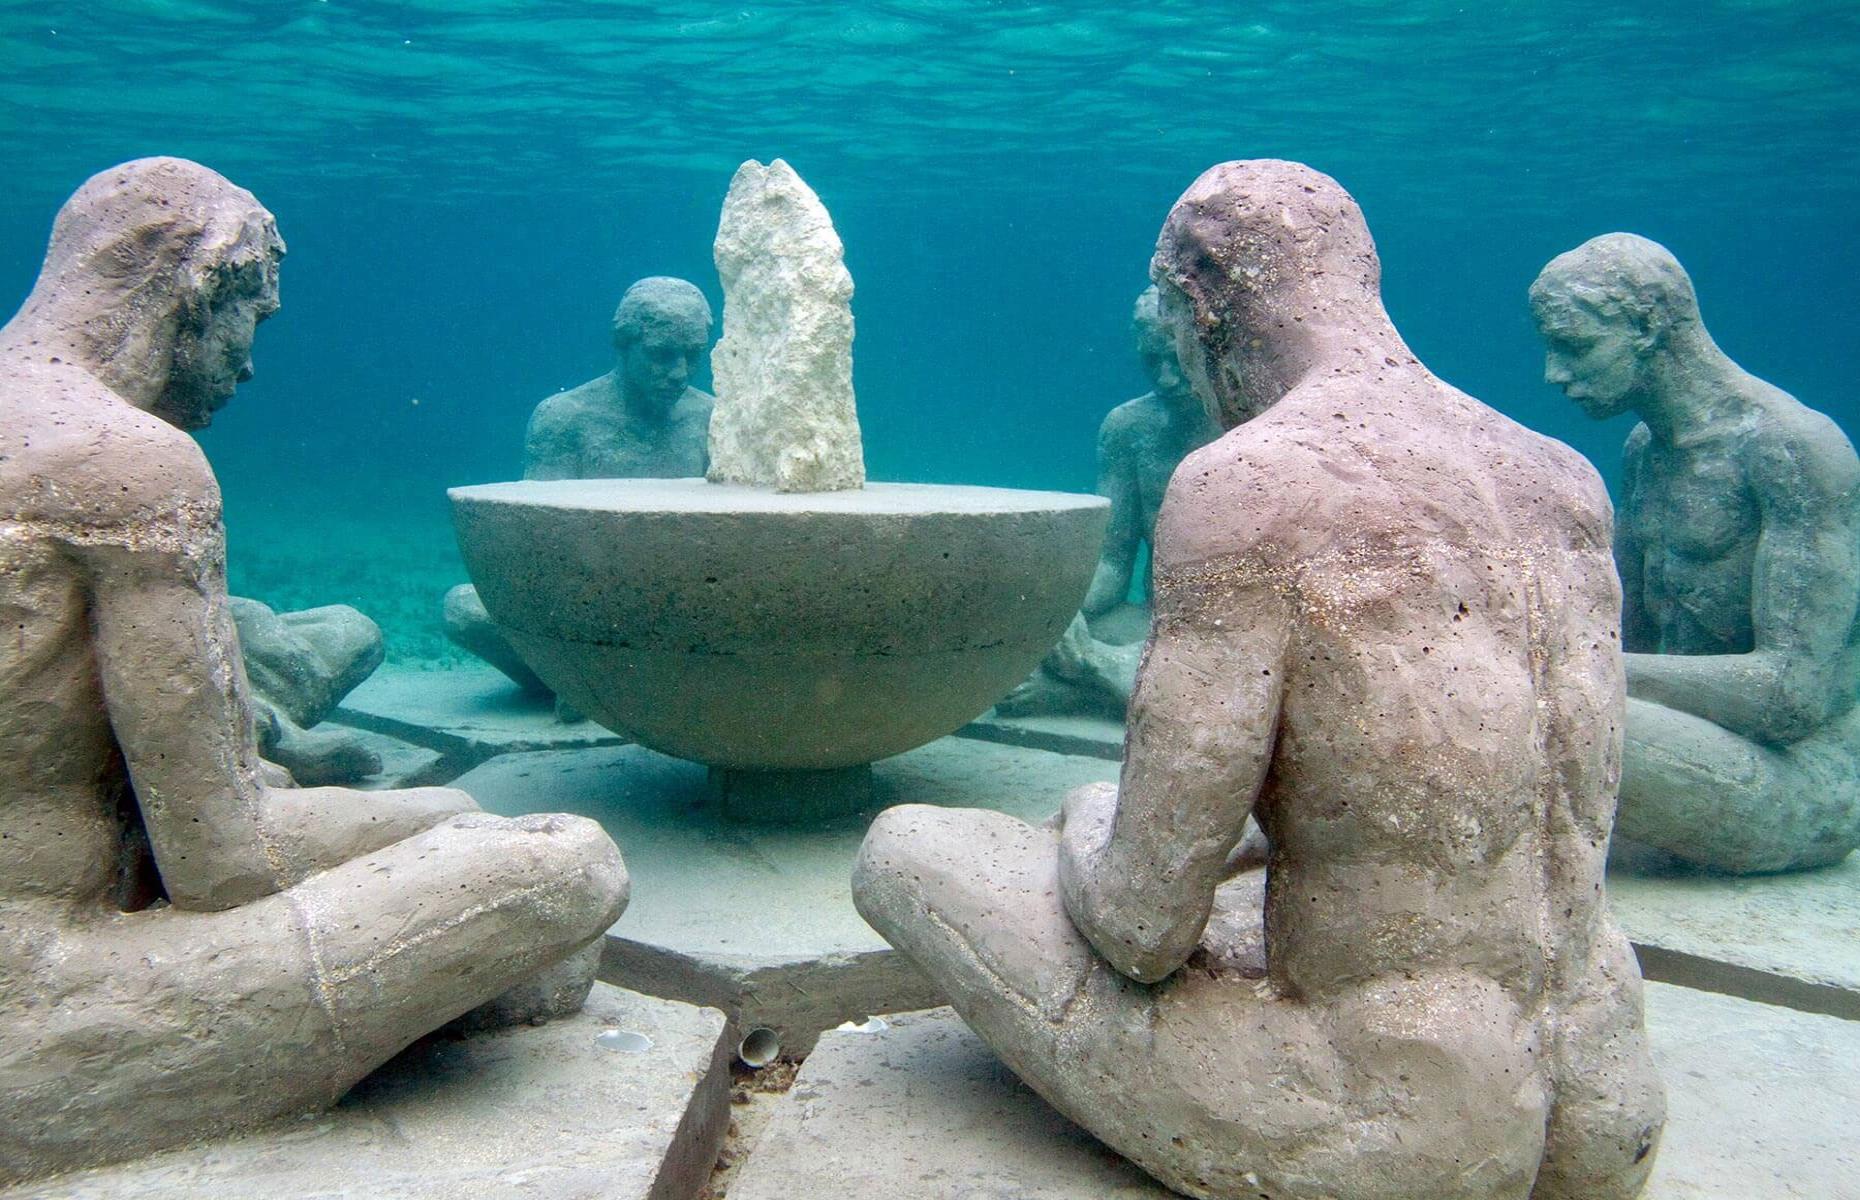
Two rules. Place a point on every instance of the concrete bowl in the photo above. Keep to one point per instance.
(756, 630)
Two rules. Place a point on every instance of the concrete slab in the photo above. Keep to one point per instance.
(1760, 1101)
(1779, 939)
(403, 764)
(1095, 737)
(758, 920)
(467, 713)
(562, 1111)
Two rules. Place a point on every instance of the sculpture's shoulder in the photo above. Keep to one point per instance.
(693, 411)
(1128, 422)
(567, 412)
(1267, 482)
(1795, 452)
(79, 456)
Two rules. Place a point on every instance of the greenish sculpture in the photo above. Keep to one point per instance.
(641, 420)
(1738, 543)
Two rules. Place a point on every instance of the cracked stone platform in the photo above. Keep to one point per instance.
(1782, 939)
(558, 1111)
(467, 713)
(1761, 1102)
(1094, 737)
(758, 920)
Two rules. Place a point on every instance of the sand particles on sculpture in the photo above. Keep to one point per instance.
(783, 369)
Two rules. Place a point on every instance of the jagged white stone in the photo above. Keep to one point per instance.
(783, 370)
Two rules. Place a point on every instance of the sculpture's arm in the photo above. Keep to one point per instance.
(1805, 587)
(175, 694)
(1139, 866)
(1638, 631)
(551, 446)
(1117, 482)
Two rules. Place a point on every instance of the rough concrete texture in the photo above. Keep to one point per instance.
(299, 665)
(1386, 624)
(783, 368)
(1791, 939)
(308, 935)
(1761, 1110)
(466, 713)
(759, 921)
(748, 628)
(559, 1111)
(1739, 550)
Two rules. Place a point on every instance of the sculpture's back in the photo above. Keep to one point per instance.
(1387, 626)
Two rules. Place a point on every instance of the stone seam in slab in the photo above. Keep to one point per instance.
(1677, 967)
(923, 1111)
(513, 1113)
(1088, 741)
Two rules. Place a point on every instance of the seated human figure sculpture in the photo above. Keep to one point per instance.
(1139, 445)
(299, 666)
(1384, 624)
(642, 420)
(1739, 550)
(183, 948)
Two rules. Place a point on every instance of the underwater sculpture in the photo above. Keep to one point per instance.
(299, 666)
(643, 419)
(1384, 625)
(1739, 550)
(1140, 444)
(786, 638)
(183, 948)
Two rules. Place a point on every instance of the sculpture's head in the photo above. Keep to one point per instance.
(1263, 266)
(1156, 347)
(661, 329)
(1607, 311)
(158, 272)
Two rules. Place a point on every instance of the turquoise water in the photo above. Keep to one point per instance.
(467, 188)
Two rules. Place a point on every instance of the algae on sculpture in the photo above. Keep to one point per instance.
(1384, 625)
(183, 948)
(643, 419)
(1739, 550)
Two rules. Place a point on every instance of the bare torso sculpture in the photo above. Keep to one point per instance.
(1739, 550)
(641, 420)
(1385, 625)
(183, 948)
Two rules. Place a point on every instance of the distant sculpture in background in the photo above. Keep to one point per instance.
(1385, 624)
(299, 666)
(641, 420)
(1739, 550)
(1139, 445)
(184, 949)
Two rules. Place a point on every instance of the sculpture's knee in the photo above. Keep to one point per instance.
(886, 886)
(564, 870)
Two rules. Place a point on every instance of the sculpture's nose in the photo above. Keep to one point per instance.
(1555, 373)
(245, 372)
